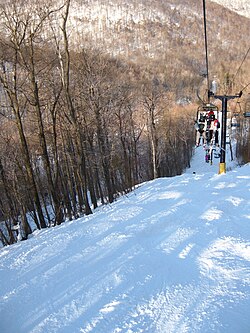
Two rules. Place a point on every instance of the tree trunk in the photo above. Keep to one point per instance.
(28, 165)
(52, 189)
(65, 68)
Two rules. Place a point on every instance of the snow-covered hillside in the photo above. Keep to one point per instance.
(172, 256)
(241, 7)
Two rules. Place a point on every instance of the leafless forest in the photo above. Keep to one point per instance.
(96, 99)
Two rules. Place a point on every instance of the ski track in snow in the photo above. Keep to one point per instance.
(160, 260)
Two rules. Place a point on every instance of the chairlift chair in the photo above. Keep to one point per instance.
(204, 109)
(247, 108)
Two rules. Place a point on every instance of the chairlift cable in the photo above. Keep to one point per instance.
(237, 102)
(245, 86)
(243, 60)
(206, 47)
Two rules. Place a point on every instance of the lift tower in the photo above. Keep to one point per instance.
(224, 99)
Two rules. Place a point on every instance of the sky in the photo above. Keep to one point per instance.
(173, 256)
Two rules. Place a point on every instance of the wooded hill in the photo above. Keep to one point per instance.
(165, 38)
(93, 103)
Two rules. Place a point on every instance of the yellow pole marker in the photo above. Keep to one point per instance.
(222, 168)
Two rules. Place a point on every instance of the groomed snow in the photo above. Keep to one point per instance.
(173, 256)
(241, 7)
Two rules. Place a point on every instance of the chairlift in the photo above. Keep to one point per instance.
(204, 109)
(247, 108)
(234, 121)
(235, 117)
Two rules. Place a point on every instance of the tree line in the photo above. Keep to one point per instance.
(77, 128)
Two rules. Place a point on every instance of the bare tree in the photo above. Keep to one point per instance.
(151, 102)
(9, 81)
(64, 59)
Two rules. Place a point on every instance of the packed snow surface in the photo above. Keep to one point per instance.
(173, 256)
(242, 7)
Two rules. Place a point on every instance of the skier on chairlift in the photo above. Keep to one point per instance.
(210, 118)
(213, 133)
(200, 126)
